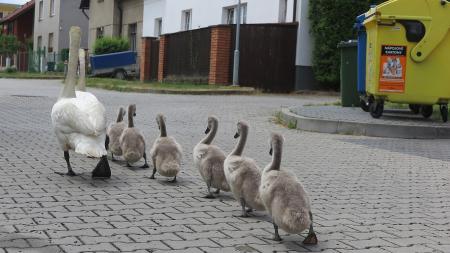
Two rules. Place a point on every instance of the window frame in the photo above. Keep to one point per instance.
(186, 23)
(227, 9)
(41, 10)
(50, 35)
(283, 11)
(52, 8)
(158, 27)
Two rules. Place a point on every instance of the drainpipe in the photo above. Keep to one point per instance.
(294, 16)
(119, 6)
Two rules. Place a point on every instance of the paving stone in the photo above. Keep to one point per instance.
(367, 194)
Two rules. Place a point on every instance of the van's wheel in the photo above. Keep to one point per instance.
(120, 74)
(444, 112)
(414, 108)
(376, 109)
(427, 111)
(365, 105)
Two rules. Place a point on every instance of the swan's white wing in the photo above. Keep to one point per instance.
(68, 118)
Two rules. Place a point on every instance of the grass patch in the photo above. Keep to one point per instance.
(278, 119)
(32, 75)
(128, 85)
(336, 103)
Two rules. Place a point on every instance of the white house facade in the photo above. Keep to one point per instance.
(169, 16)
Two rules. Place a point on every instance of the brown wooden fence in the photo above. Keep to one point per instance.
(154, 60)
(188, 56)
(267, 56)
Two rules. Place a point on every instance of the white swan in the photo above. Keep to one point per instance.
(79, 119)
(243, 174)
(209, 160)
(284, 197)
(166, 153)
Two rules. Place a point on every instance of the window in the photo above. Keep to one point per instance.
(41, 8)
(1, 15)
(158, 27)
(186, 20)
(132, 31)
(282, 11)
(99, 32)
(52, 8)
(229, 15)
(50, 42)
(39, 42)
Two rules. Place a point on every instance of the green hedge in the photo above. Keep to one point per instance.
(331, 22)
(107, 45)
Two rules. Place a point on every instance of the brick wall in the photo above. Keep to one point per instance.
(163, 43)
(146, 44)
(219, 71)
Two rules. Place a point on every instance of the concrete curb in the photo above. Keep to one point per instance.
(183, 92)
(366, 129)
(34, 78)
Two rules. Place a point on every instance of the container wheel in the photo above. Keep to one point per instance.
(365, 105)
(376, 109)
(120, 74)
(414, 108)
(427, 111)
(444, 112)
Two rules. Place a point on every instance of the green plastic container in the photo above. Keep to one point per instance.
(349, 73)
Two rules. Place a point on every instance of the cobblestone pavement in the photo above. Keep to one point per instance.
(368, 194)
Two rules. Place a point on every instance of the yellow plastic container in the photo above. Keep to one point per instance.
(408, 52)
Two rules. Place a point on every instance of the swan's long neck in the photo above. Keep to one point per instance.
(212, 133)
(239, 149)
(69, 86)
(120, 116)
(276, 156)
(130, 117)
(162, 127)
(82, 78)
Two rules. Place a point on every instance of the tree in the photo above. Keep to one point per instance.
(9, 45)
(331, 22)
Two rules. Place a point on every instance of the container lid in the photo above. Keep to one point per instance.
(348, 43)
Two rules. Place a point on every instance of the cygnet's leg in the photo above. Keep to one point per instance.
(128, 165)
(217, 191)
(210, 195)
(107, 142)
(69, 167)
(145, 166)
(311, 239)
(174, 180)
(153, 174)
(112, 157)
(244, 212)
(276, 236)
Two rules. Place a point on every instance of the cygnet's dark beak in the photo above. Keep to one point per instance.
(134, 114)
(237, 135)
(207, 130)
(271, 151)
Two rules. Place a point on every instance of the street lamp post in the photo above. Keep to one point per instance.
(236, 51)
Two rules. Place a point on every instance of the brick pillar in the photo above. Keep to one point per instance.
(219, 64)
(145, 58)
(163, 43)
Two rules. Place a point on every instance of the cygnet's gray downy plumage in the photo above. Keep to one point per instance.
(209, 160)
(166, 153)
(114, 132)
(243, 174)
(132, 141)
(284, 196)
